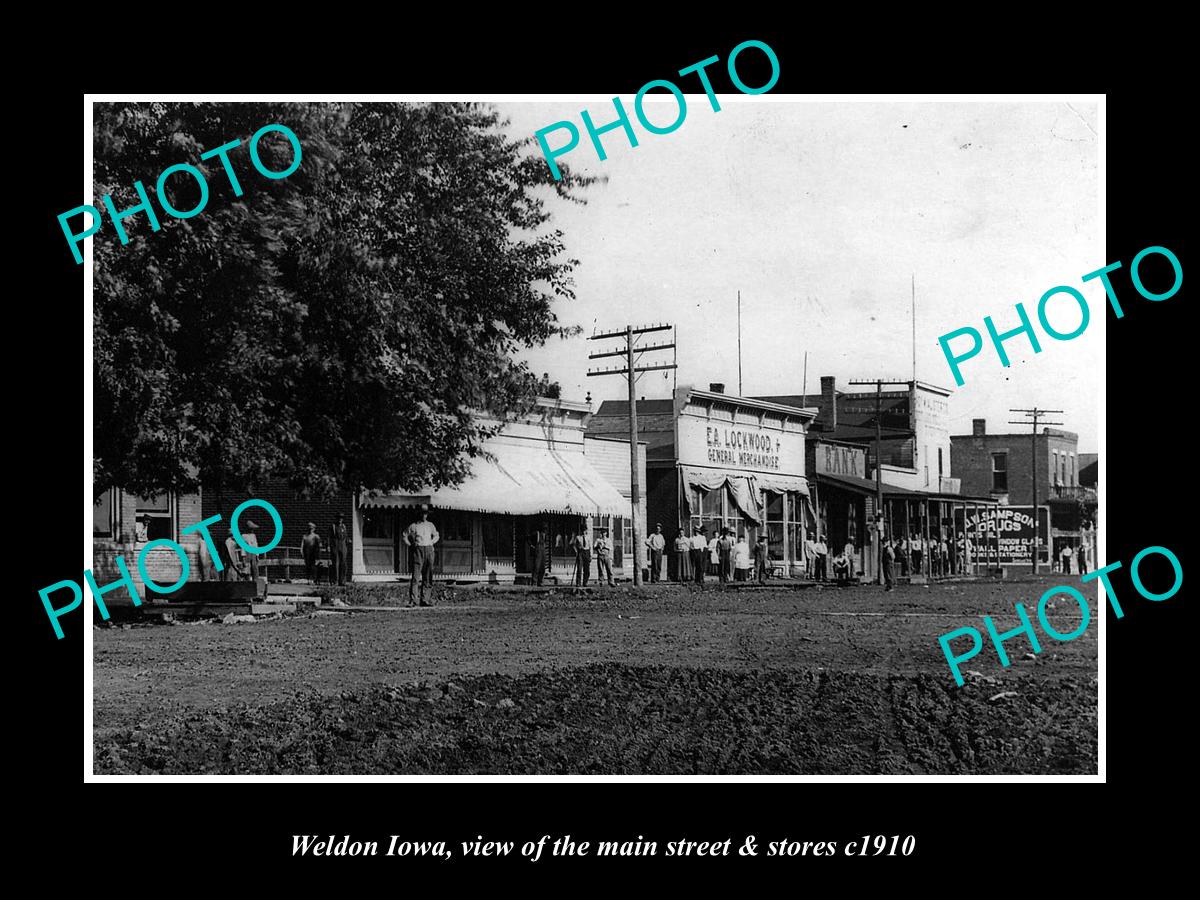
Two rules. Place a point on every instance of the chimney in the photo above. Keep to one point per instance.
(717, 387)
(978, 427)
(829, 401)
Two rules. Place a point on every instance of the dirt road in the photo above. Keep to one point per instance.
(665, 680)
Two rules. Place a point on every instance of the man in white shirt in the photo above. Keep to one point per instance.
(583, 557)
(656, 542)
(421, 536)
(699, 555)
(821, 552)
(603, 557)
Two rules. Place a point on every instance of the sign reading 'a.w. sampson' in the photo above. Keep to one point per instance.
(1014, 524)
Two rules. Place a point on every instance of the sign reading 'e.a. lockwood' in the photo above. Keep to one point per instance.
(743, 447)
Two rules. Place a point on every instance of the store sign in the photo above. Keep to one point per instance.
(1015, 527)
(830, 459)
(703, 442)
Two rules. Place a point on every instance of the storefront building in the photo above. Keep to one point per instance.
(717, 461)
(1001, 466)
(545, 474)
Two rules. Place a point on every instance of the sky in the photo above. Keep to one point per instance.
(822, 215)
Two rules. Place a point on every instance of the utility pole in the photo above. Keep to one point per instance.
(631, 372)
(879, 383)
(1033, 416)
(740, 343)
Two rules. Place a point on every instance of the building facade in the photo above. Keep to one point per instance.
(913, 424)
(123, 523)
(1001, 466)
(544, 474)
(714, 461)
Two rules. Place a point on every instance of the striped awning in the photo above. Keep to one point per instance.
(524, 478)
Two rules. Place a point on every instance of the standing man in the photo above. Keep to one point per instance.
(204, 562)
(889, 559)
(251, 540)
(539, 555)
(421, 536)
(683, 547)
(656, 542)
(760, 558)
(822, 552)
(310, 549)
(699, 555)
(604, 557)
(583, 556)
(724, 556)
(234, 570)
(339, 549)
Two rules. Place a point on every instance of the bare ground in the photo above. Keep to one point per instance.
(665, 680)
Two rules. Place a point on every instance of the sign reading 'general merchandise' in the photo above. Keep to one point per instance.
(1015, 527)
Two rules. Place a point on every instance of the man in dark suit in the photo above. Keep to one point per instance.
(539, 555)
(339, 550)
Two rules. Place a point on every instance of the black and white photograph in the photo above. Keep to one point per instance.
(526, 437)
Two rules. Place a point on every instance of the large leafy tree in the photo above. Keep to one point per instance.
(341, 327)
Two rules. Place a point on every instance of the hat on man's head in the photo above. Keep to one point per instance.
(424, 507)
(253, 526)
(312, 524)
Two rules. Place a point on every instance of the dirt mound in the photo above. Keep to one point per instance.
(613, 718)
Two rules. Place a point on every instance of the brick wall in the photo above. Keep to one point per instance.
(973, 463)
(295, 511)
(162, 564)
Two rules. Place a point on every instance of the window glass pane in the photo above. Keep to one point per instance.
(102, 515)
(155, 503)
(497, 536)
(618, 540)
(710, 504)
(774, 506)
(452, 525)
(775, 539)
(151, 528)
(378, 523)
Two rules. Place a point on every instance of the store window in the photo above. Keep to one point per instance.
(453, 526)
(1000, 472)
(618, 541)
(774, 522)
(103, 519)
(498, 536)
(795, 520)
(378, 524)
(153, 519)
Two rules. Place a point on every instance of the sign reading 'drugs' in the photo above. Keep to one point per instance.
(740, 446)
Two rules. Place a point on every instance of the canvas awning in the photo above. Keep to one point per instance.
(522, 479)
(743, 488)
(782, 483)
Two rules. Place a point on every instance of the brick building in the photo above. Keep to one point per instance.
(124, 523)
(1001, 466)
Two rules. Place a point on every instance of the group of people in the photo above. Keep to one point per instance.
(1068, 554)
(817, 565)
(239, 565)
(728, 557)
